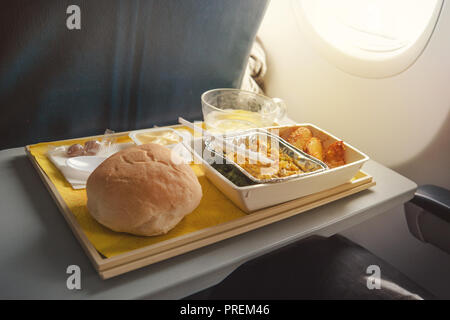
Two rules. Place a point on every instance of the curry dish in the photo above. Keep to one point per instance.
(283, 165)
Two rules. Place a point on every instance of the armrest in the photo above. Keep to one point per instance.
(434, 199)
(428, 216)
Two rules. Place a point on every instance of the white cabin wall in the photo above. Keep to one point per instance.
(402, 122)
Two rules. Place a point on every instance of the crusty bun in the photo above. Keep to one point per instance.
(142, 191)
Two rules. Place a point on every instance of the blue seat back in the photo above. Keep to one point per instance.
(133, 64)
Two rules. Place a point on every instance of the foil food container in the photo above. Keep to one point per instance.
(308, 164)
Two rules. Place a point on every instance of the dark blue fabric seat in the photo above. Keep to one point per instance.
(315, 268)
(133, 64)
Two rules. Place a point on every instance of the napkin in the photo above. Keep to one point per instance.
(77, 178)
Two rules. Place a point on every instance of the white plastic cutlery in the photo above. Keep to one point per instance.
(251, 154)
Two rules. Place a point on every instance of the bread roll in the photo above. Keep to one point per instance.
(142, 191)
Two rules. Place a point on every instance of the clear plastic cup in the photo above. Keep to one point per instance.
(229, 110)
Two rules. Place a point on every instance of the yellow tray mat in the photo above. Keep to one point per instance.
(214, 208)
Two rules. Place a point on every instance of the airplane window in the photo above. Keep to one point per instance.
(370, 38)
